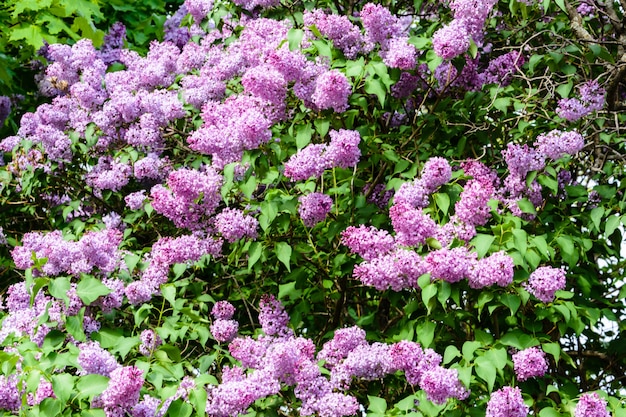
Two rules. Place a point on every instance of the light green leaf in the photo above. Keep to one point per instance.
(91, 385)
(482, 243)
(375, 86)
(377, 405)
(450, 354)
(283, 253)
(89, 289)
(486, 370)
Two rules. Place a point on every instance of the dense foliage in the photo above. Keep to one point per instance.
(382, 209)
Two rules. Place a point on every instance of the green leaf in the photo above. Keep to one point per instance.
(425, 333)
(74, 326)
(512, 301)
(596, 216)
(376, 405)
(23, 5)
(443, 202)
(375, 86)
(486, 370)
(553, 349)
(502, 104)
(549, 411)
(497, 356)
(294, 36)
(568, 251)
(612, 223)
(63, 386)
(31, 34)
(482, 243)
(91, 385)
(59, 287)
(179, 408)
(564, 89)
(89, 289)
(526, 206)
(50, 407)
(254, 253)
(283, 253)
(303, 137)
(451, 353)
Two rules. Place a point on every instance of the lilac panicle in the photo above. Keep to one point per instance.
(507, 402)
(545, 281)
(530, 363)
(591, 405)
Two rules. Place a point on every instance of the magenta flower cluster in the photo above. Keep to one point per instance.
(591, 405)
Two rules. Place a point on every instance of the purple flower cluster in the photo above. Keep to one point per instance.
(332, 90)
(530, 363)
(556, 144)
(450, 265)
(591, 405)
(273, 317)
(95, 250)
(150, 342)
(311, 161)
(367, 241)
(545, 281)
(497, 268)
(314, 208)
(411, 225)
(507, 402)
(345, 35)
(192, 197)
(234, 225)
(94, 360)
(397, 270)
(451, 40)
(223, 328)
(122, 393)
(591, 99)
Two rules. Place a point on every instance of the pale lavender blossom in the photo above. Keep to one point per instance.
(223, 310)
(273, 317)
(308, 162)
(556, 144)
(412, 226)
(451, 40)
(435, 173)
(450, 265)
(472, 207)
(10, 397)
(399, 53)
(136, 200)
(530, 363)
(343, 342)
(345, 35)
(396, 270)
(123, 389)
(380, 25)
(343, 150)
(440, 384)
(94, 360)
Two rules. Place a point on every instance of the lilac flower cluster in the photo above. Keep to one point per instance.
(545, 281)
(166, 252)
(234, 225)
(367, 241)
(192, 197)
(95, 250)
(314, 208)
(345, 35)
(311, 161)
(507, 402)
(497, 268)
(591, 99)
(591, 405)
(530, 363)
(555, 144)
(223, 328)
(122, 393)
(92, 359)
(150, 342)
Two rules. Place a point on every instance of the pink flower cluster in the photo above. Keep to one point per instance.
(507, 402)
(314, 208)
(223, 328)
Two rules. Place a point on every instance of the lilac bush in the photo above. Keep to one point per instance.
(349, 209)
